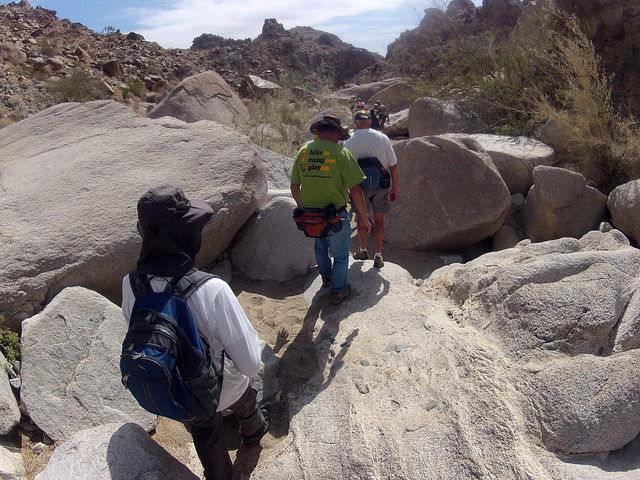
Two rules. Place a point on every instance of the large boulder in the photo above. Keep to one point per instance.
(364, 91)
(70, 364)
(561, 204)
(628, 332)
(71, 178)
(396, 378)
(515, 158)
(11, 462)
(589, 403)
(434, 116)
(278, 169)
(395, 97)
(9, 411)
(253, 86)
(113, 451)
(11, 53)
(271, 247)
(451, 195)
(398, 124)
(624, 205)
(205, 96)
(564, 295)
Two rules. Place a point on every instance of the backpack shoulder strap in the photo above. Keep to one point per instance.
(181, 287)
(139, 283)
(186, 285)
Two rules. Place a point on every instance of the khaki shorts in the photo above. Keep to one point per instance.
(376, 199)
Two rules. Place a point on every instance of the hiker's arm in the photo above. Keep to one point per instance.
(393, 193)
(234, 330)
(295, 192)
(227, 322)
(357, 197)
(128, 298)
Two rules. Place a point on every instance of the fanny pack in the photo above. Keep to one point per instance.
(318, 222)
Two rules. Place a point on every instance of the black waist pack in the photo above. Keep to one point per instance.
(318, 222)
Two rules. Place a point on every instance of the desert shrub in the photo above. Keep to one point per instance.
(46, 47)
(514, 84)
(604, 147)
(109, 30)
(80, 86)
(277, 120)
(136, 88)
(10, 342)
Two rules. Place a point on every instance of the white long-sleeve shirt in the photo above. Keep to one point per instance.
(222, 322)
(367, 142)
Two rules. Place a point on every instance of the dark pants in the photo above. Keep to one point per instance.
(210, 442)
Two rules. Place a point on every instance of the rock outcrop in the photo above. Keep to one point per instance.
(70, 357)
(515, 158)
(270, 247)
(624, 205)
(452, 195)
(561, 204)
(69, 199)
(205, 96)
(615, 33)
(432, 116)
(115, 450)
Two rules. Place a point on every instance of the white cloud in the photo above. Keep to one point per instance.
(176, 24)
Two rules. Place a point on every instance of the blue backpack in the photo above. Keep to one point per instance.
(377, 175)
(165, 363)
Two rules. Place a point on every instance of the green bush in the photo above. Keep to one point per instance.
(80, 86)
(515, 83)
(277, 119)
(46, 47)
(136, 88)
(10, 342)
(109, 30)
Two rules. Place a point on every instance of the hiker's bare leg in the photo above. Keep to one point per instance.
(362, 235)
(378, 230)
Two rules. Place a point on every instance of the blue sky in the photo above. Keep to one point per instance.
(370, 24)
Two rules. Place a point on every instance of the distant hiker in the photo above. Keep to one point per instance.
(378, 161)
(383, 114)
(171, 229)
(373, 116)
(324, 174)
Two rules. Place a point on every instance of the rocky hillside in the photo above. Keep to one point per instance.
(447, 40)
(37, 49)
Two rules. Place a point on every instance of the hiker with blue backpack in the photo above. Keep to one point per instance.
(190, 351)
(374, 153)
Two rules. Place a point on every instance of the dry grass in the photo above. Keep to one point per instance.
(35, 461)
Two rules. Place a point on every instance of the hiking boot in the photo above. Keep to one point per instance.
(326, 280)
(255, 438)
(338, 297)
(360, 255)
(378, 262)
